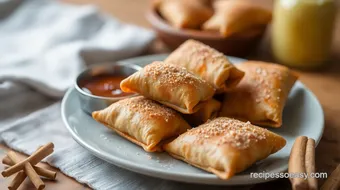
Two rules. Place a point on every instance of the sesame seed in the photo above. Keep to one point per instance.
(199, 52)
(170, 74)
(228, 131)
(258, 70)
(148, 107)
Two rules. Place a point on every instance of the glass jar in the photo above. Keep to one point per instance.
(302, 32)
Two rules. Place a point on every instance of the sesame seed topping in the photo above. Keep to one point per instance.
(148, 107)
(201, 52)
(265, 83)
(169, 74)
(233, 132)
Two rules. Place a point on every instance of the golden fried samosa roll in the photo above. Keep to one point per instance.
(170, 85)
(207, 63)
(225, 146)
(142, 121)
(261, 95)
(235, 17)
(209, 110)
(185, 14)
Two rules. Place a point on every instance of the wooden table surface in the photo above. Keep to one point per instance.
(325, 84)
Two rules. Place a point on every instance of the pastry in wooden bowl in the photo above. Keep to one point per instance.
(209, 110)
(170, 85)
(207, 63)
(225, 146)
(261, 95)
(234, 16)
(239, 44)
(142, 121)
(184, 14)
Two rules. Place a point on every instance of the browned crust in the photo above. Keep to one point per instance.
(183, 110)
(264, 123)
(232, 79)
(156, 148)
(145, 147)
(225, 175)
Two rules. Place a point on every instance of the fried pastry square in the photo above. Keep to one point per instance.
(261, 95)
(209, 110)
(142, 121)
(185, 14)
(170, 85)
(225, 146)
(235, 17)
(207, 63)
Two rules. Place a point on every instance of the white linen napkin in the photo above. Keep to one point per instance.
(45, 43)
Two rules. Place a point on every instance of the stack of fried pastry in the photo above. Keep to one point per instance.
(178, 94)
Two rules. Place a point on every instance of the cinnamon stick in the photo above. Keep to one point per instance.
(40, 171)
(333, 181)
(18, 179)
(33, 160)
(45, 173)
(297, 163)
(30, 172)
(310, 164)
(34, 177)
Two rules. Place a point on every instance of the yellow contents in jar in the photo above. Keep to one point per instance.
(302, 32)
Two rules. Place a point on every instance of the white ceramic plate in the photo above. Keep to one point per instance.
(303, 115)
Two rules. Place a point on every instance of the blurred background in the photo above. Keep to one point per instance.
(137, 11)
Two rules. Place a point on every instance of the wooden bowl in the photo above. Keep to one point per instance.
(237, 45)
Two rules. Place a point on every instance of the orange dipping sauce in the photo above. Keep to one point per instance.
(104, 85)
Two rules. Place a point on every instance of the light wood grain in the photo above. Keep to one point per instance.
(325, 85)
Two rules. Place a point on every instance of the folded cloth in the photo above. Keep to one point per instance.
(45, 44)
